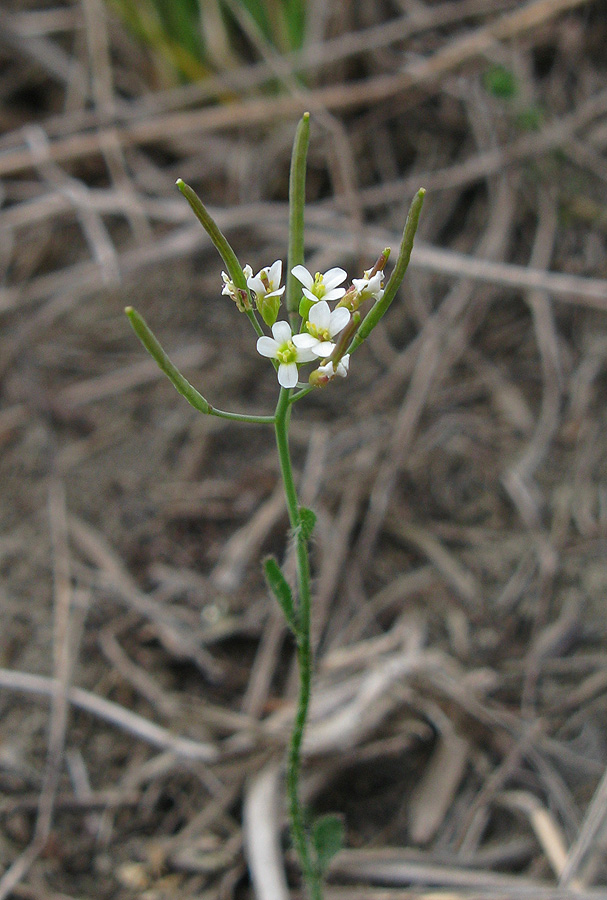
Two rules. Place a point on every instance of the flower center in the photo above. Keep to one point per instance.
(287, 353)
(321, 334)
(318, 288)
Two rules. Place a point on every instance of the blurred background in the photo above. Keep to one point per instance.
(459, 474)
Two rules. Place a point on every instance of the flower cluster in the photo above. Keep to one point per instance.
(321, 326)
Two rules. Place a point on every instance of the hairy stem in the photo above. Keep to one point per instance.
(304, 653)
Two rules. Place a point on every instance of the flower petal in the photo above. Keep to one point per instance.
(302, 274)
(320, 315)
(370, 287)
(267, 346)
(256, 284)
(324, 348)
(304, 341)
(339, 319)
(335, 294)
(343, 365)
(281, 331)
(287, 375)
(275, 273)
(306, 354)
(333, 277)
(310, 295)
(342, 368)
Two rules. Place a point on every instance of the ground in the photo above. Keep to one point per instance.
(459, 474)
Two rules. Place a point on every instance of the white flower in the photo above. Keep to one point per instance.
(267, 281)
(283, 348)
(369, 286)
(321, 287)
(322, 326)
(230, 289)
(322, 376)
(327, 371)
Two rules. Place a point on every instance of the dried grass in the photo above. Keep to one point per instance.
(460, 475)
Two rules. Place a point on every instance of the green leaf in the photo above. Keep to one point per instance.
(308, 521)
(279, 586)
(328, 839)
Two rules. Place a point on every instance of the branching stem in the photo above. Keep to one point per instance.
(315, 845)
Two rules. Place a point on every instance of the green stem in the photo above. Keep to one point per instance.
(222, 246)
(214, 232)
(241, 417)
(303, 392)
(297, 200)
(179, 382)
(255, 322)
(381, 306)
(304, 652)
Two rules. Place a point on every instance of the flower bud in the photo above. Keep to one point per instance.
(322, 376)
(242, 301)
(319, 377)
(238, 295)
(350, 299)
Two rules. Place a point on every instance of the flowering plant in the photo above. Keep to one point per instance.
(311, 333)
